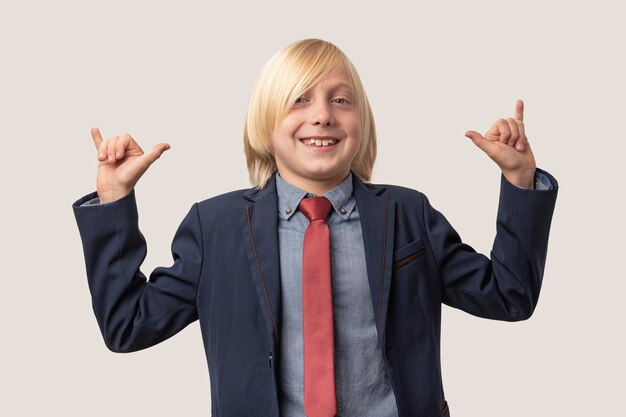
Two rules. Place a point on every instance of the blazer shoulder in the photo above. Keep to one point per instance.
(400, 194)
(225, 201)
(224, 207)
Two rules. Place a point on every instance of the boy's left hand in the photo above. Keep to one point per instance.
(507, 145)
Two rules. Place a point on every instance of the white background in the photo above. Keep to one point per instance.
(182, 73)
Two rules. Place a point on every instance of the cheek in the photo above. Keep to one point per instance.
(283, 135)
(282, 144)
(357, 135)
(354, 124)
(288, 127)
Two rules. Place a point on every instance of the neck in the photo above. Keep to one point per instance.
(313, 186)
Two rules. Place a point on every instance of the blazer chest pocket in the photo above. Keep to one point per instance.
(408, 253)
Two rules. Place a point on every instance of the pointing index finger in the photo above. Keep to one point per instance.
(519, 110)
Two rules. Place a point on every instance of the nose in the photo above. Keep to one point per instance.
(321, 113)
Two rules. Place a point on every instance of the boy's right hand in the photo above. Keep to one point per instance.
(121, 163)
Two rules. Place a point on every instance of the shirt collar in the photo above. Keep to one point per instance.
(289, 196)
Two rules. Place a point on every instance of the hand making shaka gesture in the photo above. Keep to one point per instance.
(507, 145)
(121, 162)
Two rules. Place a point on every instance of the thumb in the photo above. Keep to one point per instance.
(480, 141)
(155, 153)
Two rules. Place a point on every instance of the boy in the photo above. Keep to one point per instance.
(243, 260)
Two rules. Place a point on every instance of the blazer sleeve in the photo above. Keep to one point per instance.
(505, 286)
(134, 313)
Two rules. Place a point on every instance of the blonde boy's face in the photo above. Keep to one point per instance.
(327, 112)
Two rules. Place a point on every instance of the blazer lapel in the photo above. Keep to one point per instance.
(377, 214)
(259, 227)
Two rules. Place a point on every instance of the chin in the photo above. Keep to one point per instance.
(323, 174)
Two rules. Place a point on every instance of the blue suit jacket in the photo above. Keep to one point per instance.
(226, 274)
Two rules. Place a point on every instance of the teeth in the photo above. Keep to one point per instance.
(320, 142)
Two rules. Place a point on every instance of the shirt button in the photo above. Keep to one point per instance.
(343, 210)
(287, 210)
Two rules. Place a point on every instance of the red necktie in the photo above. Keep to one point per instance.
(317, 312)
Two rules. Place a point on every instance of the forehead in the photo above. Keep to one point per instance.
(335, 79)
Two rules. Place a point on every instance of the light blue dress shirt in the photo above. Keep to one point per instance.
(361, 382)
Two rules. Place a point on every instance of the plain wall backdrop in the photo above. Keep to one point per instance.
(183, 72)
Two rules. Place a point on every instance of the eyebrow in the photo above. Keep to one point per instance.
(335, 87)
(342, 85)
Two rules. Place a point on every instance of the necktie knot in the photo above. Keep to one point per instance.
(315, 208)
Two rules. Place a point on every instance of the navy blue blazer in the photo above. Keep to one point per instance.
(226, 274)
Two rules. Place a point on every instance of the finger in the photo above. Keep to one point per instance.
(155, 153)
(504, 131)
(102, 152)
(519, 110)
(97, 140)
(110, 149)
(514, 131)
(521, 143)
(121, 145)
(485, 145)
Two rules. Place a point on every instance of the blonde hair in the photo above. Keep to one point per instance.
(288, 74)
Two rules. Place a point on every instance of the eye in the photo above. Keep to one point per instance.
(299, 100)
(342, 100)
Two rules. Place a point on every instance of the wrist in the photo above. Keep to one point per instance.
(108, 196)
(521, 179)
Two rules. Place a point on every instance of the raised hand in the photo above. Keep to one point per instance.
(507, 145)
(122, 163)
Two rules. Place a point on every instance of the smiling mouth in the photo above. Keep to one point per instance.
(319, 142)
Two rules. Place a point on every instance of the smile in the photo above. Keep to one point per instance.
(319, 142)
